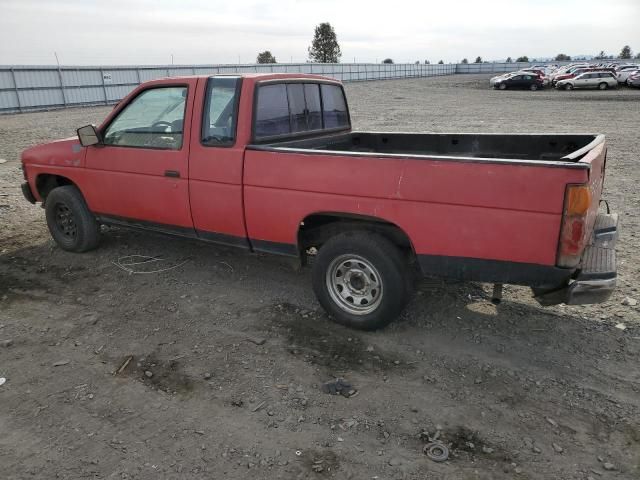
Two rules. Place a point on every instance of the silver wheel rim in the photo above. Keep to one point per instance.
(354, 284)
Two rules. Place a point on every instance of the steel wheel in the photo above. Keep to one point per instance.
(603, 86)
(65, 221)
(72, 225)
(354, 284)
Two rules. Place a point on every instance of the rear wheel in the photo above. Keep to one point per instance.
(569, 86)
(72, 225)
(362, 280)
(603, 86)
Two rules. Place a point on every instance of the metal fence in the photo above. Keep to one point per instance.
(27, 88)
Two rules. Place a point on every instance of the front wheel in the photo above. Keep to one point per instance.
(502, 86)
(568, 87)
(72, 225)
(533, 87)
(362, 280)
(603, 86)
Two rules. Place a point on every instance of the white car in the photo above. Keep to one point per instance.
(497, 78)
(625, 72)
(600, 80)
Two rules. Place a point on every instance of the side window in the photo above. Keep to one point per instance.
(527, 77)
(154, 119)
(220, 111)
(272, 111)
(334, 107)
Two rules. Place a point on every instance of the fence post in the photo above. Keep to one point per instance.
(64, 97)
(104, 87)
(15, 87)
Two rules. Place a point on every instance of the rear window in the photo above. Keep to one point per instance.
(295, 108)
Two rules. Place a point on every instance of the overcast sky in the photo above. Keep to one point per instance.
(86, 32)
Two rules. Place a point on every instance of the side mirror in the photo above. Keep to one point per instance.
(89, 135)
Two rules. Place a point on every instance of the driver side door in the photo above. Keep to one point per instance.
(139, 172)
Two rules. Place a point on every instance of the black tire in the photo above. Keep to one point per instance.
(533, 87)
(373, 258)
(72, 225)
(603, 86)
(502, 86)
(568, 86)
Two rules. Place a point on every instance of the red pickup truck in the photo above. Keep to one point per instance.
(270, 163)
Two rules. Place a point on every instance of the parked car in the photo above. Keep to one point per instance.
(574, 73)
(567, 69)
(526, 81)
(634, 79)
(624, 73)
(267, 163)
(600, 80)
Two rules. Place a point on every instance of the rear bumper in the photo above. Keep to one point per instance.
(28, 194)
(595, 279)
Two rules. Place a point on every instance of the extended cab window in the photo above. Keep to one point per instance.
(293, 108)
(154, 119)
(220, 111)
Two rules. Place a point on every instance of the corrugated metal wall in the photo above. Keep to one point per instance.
(25, 88)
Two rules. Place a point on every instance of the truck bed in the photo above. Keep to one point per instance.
(553, 148)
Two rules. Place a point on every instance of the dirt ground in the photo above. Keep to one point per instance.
(229, 349)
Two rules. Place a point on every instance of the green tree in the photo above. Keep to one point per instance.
(440, 62)
(524, 58)
(387, 60)
(638, 55)
(625, 53)
(601, 55)
(509, 60)
(464, 60)
(427, 62)
(266, 57)
(478, 59)
(324, 46)
(561, 57)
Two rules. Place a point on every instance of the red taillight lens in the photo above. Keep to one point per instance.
(577, 201)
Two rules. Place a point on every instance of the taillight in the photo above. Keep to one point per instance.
(573, 235)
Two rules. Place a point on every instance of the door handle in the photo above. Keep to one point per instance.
(172, 173)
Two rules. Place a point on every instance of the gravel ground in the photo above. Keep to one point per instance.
(228, 350)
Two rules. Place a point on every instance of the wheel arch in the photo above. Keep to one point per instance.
(318, 227)
(45, 182)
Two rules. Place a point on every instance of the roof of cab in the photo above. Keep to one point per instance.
(254, 76)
